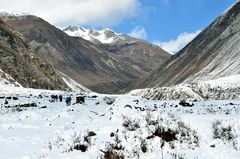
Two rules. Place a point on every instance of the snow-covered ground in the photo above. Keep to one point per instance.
(32, 125)
(224, 88)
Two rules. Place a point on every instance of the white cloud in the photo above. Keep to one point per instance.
(76, 12)
(139, 32)
(173, 46)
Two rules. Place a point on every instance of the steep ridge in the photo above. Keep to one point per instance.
(18, 60)
(214, 53)
(81, 60)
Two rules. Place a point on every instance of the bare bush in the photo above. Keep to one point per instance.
(226, 133)
(78, 141)
(223, 132)
(112, 154)
(113, 150)
(180, 132)
(131, 124)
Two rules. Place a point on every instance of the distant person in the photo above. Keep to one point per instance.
(60, 98)
(52, 97)
(56, 97)
(68, 101)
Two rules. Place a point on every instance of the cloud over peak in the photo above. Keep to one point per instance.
(139, 32)
(76, 12)
(173, 46)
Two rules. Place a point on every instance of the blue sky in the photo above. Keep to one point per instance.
(168, 23)
(167, 19)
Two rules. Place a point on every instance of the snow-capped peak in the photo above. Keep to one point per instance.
(5, 13)
(105, 36)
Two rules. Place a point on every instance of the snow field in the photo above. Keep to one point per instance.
(124, 126)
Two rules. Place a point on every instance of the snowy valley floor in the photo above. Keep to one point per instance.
(116, 126)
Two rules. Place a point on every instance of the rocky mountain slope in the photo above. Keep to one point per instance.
(83, 61)
(22, 64)
(214, 53)
(136, 53)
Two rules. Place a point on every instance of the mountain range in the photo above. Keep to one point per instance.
(108, 62)
(99, 67)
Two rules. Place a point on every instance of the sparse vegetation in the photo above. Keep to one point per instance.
(82, 142)
(131, 124)
(111, 154)
(226, 133)
(180, 132)
(167, 135)
(222, 132)
(113, 149)
(171, 131)
(79, 141)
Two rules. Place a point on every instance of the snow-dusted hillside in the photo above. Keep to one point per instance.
(72, 84)
(167, 93)
(7, 80)
(33, 125)
(219, 89)
(105, 36)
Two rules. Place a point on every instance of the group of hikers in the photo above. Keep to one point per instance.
(56, 98)
(79, 99)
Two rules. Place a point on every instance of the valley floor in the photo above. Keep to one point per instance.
(116, 126)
